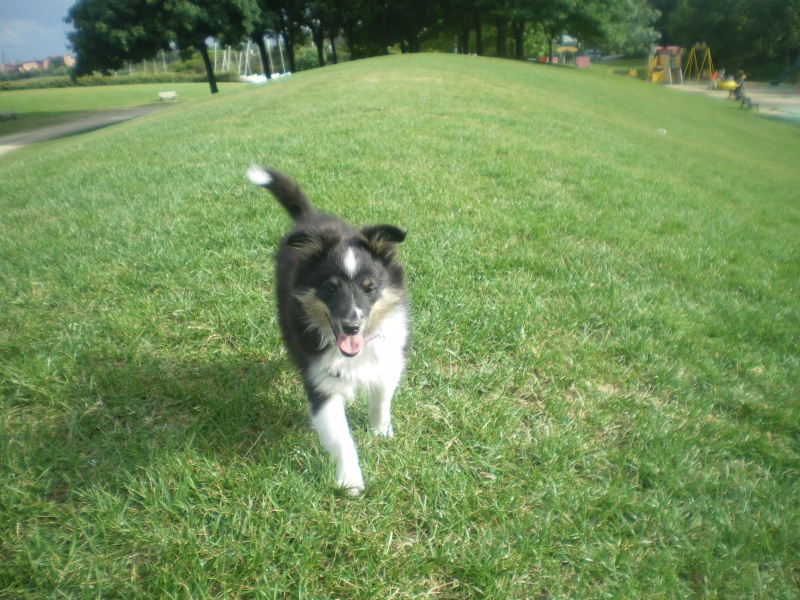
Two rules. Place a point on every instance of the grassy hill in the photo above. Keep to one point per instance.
(602, 397)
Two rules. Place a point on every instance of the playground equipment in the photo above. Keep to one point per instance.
(727, 85)
(664, 65)
(706, 68)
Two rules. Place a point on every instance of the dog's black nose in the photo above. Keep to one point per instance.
(349, 328)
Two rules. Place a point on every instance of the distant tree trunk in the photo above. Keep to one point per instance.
(350, 32)
(384, 32)
(212, 79)
(502, 32)
(413, 34)
(289, 41)
(413, 44)
(478, 34)
(262, 51)
(464, 36)
(287, 28)
(519, 38)
(332, 38)
(318, 35)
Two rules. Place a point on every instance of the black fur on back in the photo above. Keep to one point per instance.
(307, 258)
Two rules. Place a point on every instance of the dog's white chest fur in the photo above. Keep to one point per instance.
(381, 359)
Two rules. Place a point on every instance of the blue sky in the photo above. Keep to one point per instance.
(33, 29)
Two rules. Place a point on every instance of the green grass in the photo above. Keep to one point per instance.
(601, 400)
(44, 107)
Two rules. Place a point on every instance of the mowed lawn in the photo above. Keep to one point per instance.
(602, 394)
(52, 106)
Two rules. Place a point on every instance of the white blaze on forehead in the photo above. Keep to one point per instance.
(350, 263)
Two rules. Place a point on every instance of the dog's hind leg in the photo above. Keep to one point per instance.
(330, 421)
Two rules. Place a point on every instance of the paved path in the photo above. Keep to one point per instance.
(88, 122)
(780, 101)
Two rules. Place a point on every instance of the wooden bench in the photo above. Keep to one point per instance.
(746, 101)
(8, 114)
(168, 96)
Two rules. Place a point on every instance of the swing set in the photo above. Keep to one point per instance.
(706, 68)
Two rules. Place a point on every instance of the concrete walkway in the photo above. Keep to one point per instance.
(779, 101)
(82, 124)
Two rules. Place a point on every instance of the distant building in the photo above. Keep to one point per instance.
(39, 65)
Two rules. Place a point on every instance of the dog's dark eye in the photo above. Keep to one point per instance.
(369, 287)
(329, 289)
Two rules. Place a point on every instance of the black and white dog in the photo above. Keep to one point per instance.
(344, 316)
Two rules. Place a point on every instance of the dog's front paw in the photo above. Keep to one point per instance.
(349, 479)
(384, 430)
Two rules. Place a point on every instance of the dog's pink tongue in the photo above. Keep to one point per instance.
(350, 344)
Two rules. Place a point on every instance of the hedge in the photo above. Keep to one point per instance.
(97, 80)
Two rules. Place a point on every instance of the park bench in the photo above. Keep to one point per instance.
(167, 96)
(746, 101)
(8, 114)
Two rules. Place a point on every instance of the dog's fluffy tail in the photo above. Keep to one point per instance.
(287, 192)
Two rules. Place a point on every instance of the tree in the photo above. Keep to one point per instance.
(718, 23)
(291, 14)
(459, 19)
(740, 31)
(632, 30)
(348, 17)
(500, 15)
(318, 17)
(191, 22)
(263, 23)
(774, 29)
(109, 33)
(416, 21)
(661, 25)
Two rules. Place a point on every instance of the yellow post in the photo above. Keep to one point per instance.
(691, 62)
(706, 59)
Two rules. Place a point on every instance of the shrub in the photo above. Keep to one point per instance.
(305, 59)
(102, 80)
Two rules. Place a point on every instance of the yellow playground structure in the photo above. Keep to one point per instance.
(665, 65)
(706, 68)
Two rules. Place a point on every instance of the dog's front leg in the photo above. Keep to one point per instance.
(380, 408)
(330, 421)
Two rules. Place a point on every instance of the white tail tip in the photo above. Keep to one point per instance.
(259, 176)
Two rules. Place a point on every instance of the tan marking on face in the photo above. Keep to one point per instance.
(388, 301)
(315, 310)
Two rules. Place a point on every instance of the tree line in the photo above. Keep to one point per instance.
(110, 33)
(740, 33)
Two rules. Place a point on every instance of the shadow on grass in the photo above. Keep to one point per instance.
(116, 417)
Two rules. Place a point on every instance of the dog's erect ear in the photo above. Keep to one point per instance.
(382, 240)
(311, 243)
